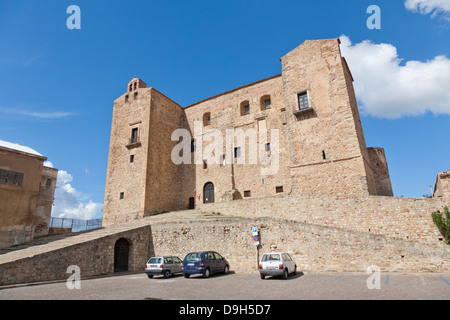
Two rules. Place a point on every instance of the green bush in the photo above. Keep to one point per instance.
(442, 221)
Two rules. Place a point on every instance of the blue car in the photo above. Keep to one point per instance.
(204, 263)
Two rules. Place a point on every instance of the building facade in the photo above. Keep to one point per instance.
(27, 190)
(302, 126)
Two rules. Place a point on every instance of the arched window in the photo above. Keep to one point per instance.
(245, 107)
(208, 193)
(265, 102)
(207, 119)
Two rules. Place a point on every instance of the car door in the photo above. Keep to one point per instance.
(290, 263)
(177, 265)
(210, 262)
(168, 264)
(220, 262)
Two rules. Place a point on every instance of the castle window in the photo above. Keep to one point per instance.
(324, 156)
(207, 119)
(193, 145)
(265, 102)
(303, 101)
(267, 147)
(279, 189)
(127, 98)
(48, 183)
(132, 158)
(237, 152)
(121, 195)
(247, 194)
(130, 88)
(135, 95)
(135, 85)
(205, 164)
(245, 108)
(134, 135)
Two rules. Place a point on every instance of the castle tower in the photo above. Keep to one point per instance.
(141, 177)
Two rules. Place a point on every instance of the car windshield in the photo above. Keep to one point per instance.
(193, 256)
(271, 257)
(154, 260)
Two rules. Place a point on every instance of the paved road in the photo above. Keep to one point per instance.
(327, 286)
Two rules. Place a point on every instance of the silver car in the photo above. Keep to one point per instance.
(277, 264)
(164, 265)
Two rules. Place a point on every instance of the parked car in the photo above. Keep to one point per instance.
(277, 264)
(164, 265)
(205, 263)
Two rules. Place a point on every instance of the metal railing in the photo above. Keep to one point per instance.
(76, 225)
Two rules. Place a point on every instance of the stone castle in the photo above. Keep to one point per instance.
(329, 201)
(320, 143)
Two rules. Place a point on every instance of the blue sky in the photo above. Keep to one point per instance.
(57, 85)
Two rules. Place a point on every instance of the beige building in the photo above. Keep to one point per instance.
(314, 134)
(27, 188)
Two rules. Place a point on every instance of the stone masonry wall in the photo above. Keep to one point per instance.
(396, 218)
(92, 252)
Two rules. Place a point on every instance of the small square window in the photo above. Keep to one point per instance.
(267, 147)
(122, 194)
(127, 98)
(267, 103)
(247, 193)
(279, 189)
(132, 158)
(247, 109)
(135, 95)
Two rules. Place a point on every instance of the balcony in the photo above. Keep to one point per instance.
(133, 143)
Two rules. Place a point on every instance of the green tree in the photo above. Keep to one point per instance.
(442, 221)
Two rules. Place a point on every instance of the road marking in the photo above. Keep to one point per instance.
(448, 283)
(387, 280)
(337, 278)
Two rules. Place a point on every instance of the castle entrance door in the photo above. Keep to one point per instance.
(121, 252)
(208, 193)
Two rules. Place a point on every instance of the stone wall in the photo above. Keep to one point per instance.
(394, 217)
(313, 247)
(93, 252)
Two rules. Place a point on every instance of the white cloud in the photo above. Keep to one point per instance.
(386, 88)
(70, 203)
(433, 7)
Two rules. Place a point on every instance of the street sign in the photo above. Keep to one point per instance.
(255, 238)
(255, 231)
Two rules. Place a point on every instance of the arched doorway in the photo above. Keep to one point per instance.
(208, 193)
(121, 253)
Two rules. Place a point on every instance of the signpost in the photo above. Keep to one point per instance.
(256, 243)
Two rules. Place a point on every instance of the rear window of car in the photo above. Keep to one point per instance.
(193, 256)
(271, 257)
(154, 260)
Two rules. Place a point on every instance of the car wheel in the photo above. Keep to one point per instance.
(262, 276)
(206, 274)
(150, 276)
(226, 270)
(285, 274)
(167, 274)
(186, 275)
